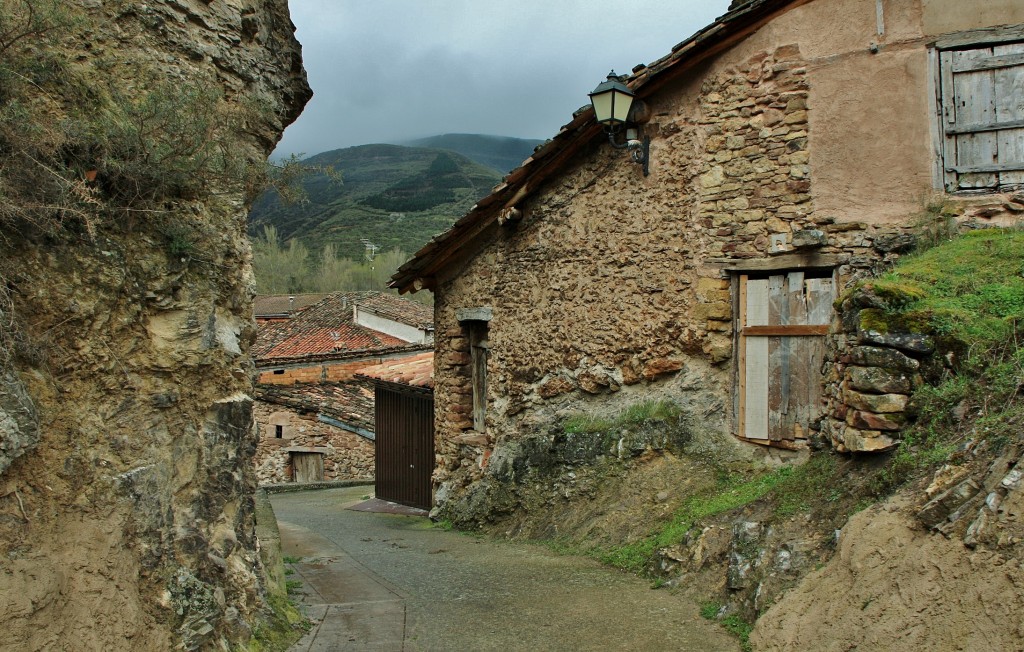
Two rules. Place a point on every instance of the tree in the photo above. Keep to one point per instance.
(279, 270)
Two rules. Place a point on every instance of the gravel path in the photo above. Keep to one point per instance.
(389, 582)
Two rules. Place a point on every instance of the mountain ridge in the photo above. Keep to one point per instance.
(390, 195)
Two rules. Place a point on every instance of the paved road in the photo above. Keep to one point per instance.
(389, 582)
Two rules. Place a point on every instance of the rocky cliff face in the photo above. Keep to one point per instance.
(126, 436)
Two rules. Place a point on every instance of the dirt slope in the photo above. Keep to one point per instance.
(894, 586)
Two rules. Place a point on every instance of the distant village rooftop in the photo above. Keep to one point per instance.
(267, 306)
(413, 371)
(328, 329)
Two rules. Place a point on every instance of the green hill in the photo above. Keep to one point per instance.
(391, 195)
(499, 152)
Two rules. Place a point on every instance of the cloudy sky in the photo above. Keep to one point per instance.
(392, 70)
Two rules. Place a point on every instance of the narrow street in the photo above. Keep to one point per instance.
(391, 582)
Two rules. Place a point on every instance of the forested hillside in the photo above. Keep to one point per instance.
(389, 196)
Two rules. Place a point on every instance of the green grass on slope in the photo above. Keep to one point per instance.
(969, 293)
(970, 288)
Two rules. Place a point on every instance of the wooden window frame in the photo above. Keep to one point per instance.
(479, 351)
(948, 173)
(475, 324)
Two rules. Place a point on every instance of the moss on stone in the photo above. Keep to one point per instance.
(884, 321)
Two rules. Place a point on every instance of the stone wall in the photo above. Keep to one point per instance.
(755, 178)
(347, 455)
(315, 372)
(129, 522)
(872, 367)
(613, 288)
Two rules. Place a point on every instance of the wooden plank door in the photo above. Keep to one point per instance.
(404, 455)
(783, 320)
(308, 467)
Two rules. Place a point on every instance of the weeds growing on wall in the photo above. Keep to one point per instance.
(633, 415)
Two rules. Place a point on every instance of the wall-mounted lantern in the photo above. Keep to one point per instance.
(612, 101)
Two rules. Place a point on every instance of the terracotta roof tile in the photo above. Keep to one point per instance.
(350, 402)
(413, 370)
(281, 304)
(399, 309)
(323, 328)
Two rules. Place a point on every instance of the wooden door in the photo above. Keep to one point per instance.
(308, 467)
(783, 321)
(404, 446)
(982, 104)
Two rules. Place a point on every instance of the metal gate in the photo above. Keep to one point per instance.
(404, 457)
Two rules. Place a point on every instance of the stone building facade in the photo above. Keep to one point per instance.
(796, 147)
(333, 422)
(314, 417)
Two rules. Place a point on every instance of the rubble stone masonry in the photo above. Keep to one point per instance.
(614, 288)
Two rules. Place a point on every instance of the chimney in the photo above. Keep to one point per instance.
(291, 305)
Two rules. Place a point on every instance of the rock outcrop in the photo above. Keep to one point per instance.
(126, 430)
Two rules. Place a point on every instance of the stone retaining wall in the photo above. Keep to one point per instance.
(871, 371)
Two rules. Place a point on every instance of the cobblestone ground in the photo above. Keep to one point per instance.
(390, 582)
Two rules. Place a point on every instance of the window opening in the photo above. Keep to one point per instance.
(279, 431)
(981, 116)
(479, 349)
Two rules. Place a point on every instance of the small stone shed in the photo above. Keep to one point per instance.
(796, 147)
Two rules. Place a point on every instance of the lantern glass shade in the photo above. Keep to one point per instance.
(611, 101)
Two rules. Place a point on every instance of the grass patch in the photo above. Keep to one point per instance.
(732, 623)
(806, 484)
(730, 494)
(634, 415)
(288, 559)
(740, 629)
(970, 288)
(292, 586)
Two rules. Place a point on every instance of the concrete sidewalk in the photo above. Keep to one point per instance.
(396, 583)
(353, 608)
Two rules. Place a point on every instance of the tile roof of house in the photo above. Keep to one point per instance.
(266, 305)
(350, 402)
(413, 370)
(324, 330)
(399, 309)
(742, 19)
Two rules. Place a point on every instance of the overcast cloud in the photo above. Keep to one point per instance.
(392, 70)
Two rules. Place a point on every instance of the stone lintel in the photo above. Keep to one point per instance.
(803, 260)
(481, 313)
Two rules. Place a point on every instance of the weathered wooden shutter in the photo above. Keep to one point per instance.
(479, 347)
(982, 92)
(783, 320)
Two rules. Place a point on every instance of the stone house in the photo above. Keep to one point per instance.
(796, 146)
(315, 418)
